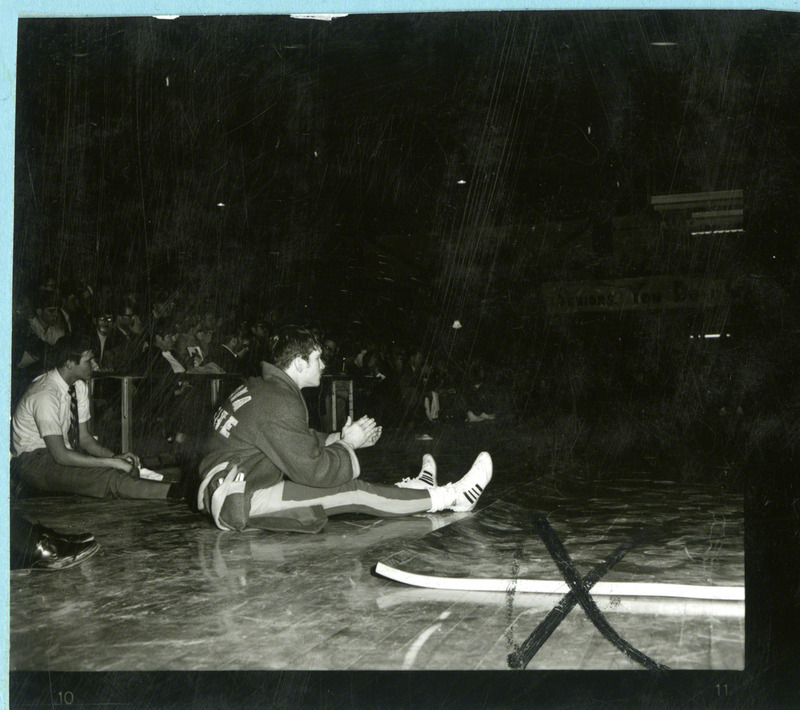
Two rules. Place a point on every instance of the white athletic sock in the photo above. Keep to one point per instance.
(442, 498)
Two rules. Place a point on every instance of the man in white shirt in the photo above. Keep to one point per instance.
(54, 455)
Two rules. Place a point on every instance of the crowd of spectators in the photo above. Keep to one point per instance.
(171, 339)
(403, 383)
(124, 339)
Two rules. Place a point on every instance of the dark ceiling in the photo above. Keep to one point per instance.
(384, 162)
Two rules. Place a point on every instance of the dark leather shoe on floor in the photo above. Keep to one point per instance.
(51, 553)
(69, 537)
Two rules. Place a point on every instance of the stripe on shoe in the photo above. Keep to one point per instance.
(473, 495)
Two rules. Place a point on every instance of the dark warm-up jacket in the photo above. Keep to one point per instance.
(263, 426)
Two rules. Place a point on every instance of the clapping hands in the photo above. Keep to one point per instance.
(361, 433)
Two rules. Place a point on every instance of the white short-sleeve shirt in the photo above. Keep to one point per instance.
(44, 410)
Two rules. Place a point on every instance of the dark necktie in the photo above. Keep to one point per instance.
(74, 438)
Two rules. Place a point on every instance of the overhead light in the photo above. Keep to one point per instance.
(314, 16)
(461, 182)
(220, 204)
(664, 44)
(456, 325)
(166, 17)
(719, 231)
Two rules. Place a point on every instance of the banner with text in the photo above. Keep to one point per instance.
(645, 293)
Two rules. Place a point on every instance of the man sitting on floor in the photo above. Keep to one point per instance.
(266, 468)
(54, 450)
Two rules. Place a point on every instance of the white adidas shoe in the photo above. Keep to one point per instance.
(462, 495)
(470, 487)
(426, 477)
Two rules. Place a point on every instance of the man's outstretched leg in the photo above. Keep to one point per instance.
(405, 498)
(380, 500)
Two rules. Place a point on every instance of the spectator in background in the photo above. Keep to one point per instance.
(163, 307)
(397, 360)
(161, 396)
(27, 349)
(419, 400)
(473, 396)
(200, 353)
(48, 292)
(210, 322)
(179, 400)
(336, 365)
(48, 323)
(126, 318)
(130, 334)
(356, 365)
(79, 320)
(106, 342)
(258, 342)
(229, 354)
(382, 389)
(161, 357)
(87, 299)
(49, 287)
(330, 354)
(186, 340)
(108, 347)
(413, 383)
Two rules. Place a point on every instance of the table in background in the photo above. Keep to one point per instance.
(127, 390)
(126, 405)
(335, 382)
(215, 379)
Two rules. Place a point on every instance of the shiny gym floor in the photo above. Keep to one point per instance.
(168, 591)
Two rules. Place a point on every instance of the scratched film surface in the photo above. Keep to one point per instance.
(598, 200)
